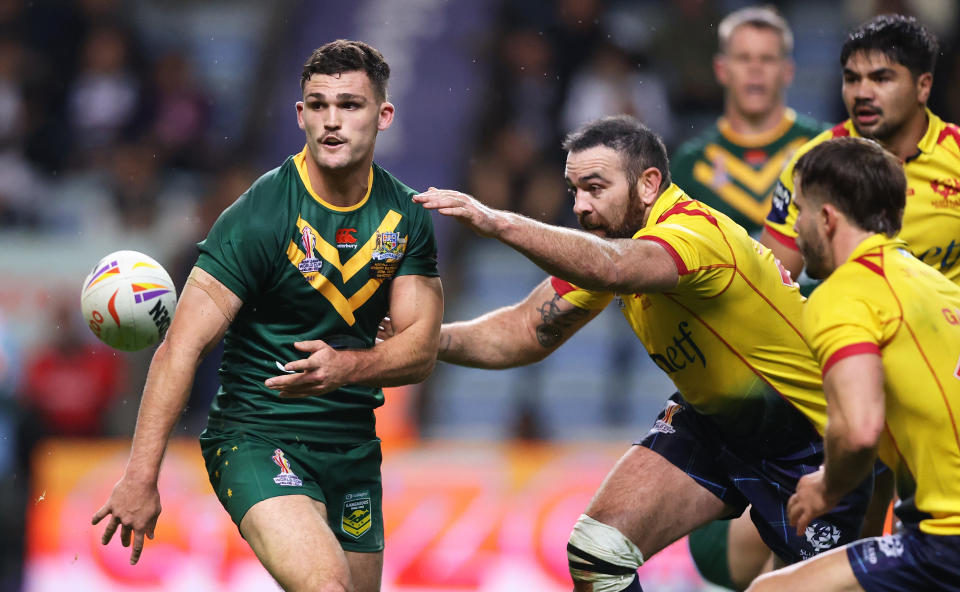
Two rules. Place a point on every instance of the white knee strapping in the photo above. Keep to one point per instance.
(607, 547)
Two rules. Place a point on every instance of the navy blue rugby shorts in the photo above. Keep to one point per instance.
(755, 476)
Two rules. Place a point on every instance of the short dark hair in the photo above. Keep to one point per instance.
(639, 147)
(344, 55)
(902, 39)
(860, 178)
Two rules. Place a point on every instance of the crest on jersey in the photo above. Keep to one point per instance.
(286, 476)
(309, 242)
(387, 253)
(357, 512)
(665, 425)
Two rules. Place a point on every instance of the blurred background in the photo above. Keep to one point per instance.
(130, 124)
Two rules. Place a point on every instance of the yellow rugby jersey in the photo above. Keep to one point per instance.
(883, 300)
(725, 335)
(931, 219)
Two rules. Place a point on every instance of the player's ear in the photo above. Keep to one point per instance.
(386, 115)
(648, 185)
(829, 217)
(720, 68)
(299, 106)
(789, 69)
(924, 82)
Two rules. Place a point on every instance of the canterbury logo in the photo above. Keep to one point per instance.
(345, 305)
(345, 235)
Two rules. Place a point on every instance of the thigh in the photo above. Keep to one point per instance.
(291, 538)
(366, 570)
(747, 555)
(652, 502)
(829, 572)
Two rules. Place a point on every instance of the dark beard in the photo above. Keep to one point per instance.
(632, 218)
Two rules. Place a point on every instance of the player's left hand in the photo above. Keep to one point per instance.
(482, 219)
(810, 500)
(324, 370)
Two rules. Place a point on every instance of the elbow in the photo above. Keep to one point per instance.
(864, 438)
(425, 370)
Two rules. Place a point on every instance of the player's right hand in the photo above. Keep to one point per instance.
(385, 330)
(484, 220)
(134, 508)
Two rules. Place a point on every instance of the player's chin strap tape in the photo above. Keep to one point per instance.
(600, 554)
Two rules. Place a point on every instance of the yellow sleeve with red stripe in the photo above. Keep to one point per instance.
(783, 212)
(585, 299)
(695, 239)
(837, 323)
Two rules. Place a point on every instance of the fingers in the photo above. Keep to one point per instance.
(125, 532)
(109, 530)
(103, 511)
(137, 547)
(309, 346)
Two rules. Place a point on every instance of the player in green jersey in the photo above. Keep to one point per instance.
(734, 166)
(296, 276)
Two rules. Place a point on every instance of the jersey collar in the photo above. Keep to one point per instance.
(876, 241)
(761, 139)
(301, 161)
(670, 196)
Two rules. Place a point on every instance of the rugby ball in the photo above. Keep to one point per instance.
(128, 300)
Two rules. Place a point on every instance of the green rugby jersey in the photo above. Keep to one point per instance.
(736, 173)
(306, 269)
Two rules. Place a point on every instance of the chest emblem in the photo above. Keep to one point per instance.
(386, 255)
(313, 253)
(310, 263)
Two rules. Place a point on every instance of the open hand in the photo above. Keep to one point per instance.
(134, 508)
(482, 219)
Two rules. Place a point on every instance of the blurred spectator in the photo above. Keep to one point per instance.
(104, 99)
(179, 113)
(613, 83)
(13, 465)
(70, 382)
(682, 48)
(134, 184)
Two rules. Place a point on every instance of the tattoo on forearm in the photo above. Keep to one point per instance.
(553, 329)
(444, 343)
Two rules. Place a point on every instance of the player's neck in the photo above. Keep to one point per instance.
(845, 241)
(753, 124)
(903, 143)
(343, 187)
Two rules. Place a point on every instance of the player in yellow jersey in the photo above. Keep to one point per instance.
(887, 75)
(886, 330)
(714, 311)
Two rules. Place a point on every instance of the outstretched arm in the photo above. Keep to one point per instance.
(416, 309)
(516, 335)
(202, 317)
(620, 265)
(855, 422)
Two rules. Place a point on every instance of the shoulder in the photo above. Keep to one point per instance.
(389, 186)
(806, 125)
(693, 147)
(265, 200)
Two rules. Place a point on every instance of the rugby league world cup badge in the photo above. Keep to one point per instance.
(309, 242)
